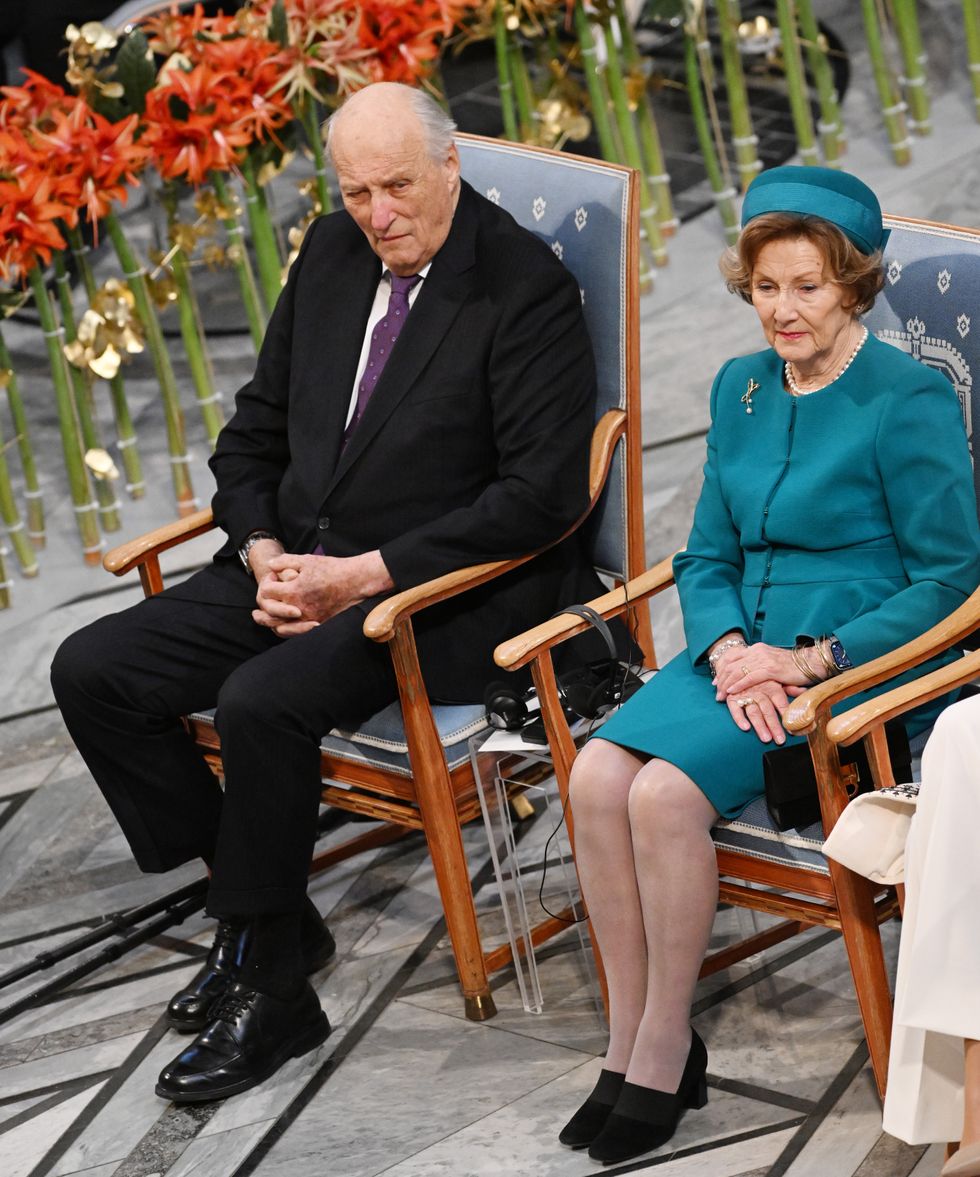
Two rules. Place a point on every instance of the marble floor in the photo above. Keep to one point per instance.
(405, 1086)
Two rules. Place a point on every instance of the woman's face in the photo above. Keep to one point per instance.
(800, 305)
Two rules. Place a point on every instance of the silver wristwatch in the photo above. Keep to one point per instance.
(249, 543)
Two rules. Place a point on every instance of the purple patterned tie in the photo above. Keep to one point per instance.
(383, 339)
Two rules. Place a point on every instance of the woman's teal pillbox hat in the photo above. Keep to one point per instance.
(838, 197)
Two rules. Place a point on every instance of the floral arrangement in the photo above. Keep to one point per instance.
(204, 111)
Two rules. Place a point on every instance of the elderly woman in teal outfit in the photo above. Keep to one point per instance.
(837, 520)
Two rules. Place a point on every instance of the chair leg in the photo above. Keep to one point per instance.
(440, 822)
(456, 891)
(862, 940)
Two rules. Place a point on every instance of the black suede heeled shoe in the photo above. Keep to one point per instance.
(591, 1117)
(644, 1118)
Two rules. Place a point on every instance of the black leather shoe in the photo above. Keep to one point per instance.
(189, 1010)
(644, 1118)
(251, 1036)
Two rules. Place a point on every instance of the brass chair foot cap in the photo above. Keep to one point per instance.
(480, 1008)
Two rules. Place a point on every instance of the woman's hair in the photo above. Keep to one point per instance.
(859, 273)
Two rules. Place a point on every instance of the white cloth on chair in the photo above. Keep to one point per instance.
(937, 997)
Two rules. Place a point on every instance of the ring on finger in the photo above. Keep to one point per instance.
(744, 669)
(745, 701)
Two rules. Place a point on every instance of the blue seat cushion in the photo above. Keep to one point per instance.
(380, 741)
(753, 833)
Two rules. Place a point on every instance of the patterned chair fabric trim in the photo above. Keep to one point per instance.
(752, 833)
(579, 209)
(927, 307)
(380, 742)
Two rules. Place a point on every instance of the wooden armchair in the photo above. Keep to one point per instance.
(787, 874)
(409, 766)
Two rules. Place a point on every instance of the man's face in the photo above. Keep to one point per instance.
(402, 199)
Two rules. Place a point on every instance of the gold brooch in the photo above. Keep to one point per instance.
(747, 395)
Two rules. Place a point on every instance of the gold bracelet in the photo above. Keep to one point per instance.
(823, 649)
(802, 665)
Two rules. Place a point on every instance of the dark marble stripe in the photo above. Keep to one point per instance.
(118, 1077)
(825, 1105)
(642, 1166)
(763, 971)
(781, 1099)
(384, 998)
(167, 1139)
(58, 1094)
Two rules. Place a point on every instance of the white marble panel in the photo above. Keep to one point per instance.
(69, 1064)
(417, 1078)
(133, 1110)
(519, 1140)
(23, 1147)
(31, 775)
(847, 1134)
(211, 1156)
(75, 1010)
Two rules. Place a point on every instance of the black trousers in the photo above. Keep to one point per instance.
(123, 682)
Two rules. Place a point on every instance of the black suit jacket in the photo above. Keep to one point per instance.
(473, 447)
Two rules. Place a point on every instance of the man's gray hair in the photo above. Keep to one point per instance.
(437, 127)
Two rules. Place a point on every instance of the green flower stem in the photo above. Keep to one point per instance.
(264, 240)
(125, 431)
(831, 126)
(12, 520)
(799, 101)
(653, 156)
(86, 515)
(198, 359)
(598, 98)
(631, 144)
(135, 275)
(971, 28)
(84, 402)
(505, 85)
(892, 106)
(32, 487)
(522, 89)
(721, 185)
(744, 139)
(311, 128)
(913, 59)
(191, 328)
(4, 581)
(251, 297)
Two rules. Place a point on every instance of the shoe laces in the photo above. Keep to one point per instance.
(227, 934)
(232, 1004)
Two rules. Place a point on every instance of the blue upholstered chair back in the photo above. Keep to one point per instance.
(581, 209)
(930, 306)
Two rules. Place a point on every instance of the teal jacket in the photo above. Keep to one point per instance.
(849, 511)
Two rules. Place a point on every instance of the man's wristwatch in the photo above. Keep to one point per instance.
(249, 543)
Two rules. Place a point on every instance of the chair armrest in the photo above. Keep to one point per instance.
(144, 551)
(853, 725)
(525, 647)
(384, 618)
(801, 715)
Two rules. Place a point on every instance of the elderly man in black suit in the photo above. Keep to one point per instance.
(423, 401)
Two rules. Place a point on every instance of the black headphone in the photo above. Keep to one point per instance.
(587, 691)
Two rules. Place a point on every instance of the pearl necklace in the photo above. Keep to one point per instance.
(795, 388)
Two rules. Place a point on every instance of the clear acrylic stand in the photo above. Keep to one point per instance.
(499, 772)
